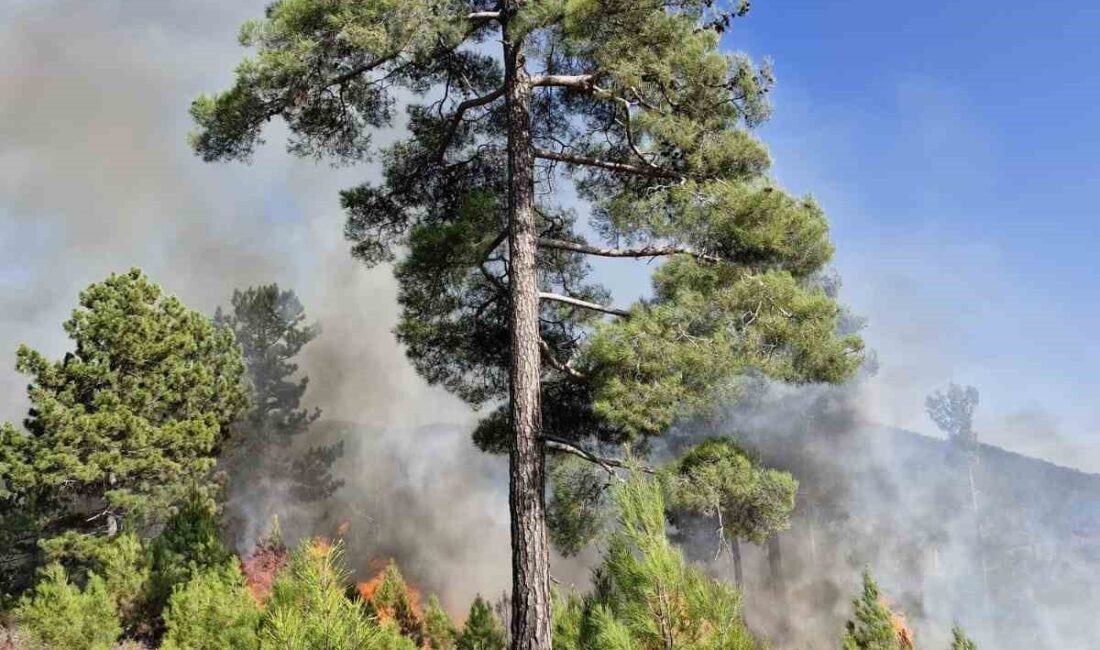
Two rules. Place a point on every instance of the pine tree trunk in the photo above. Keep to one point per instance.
(738, 571)
(775, 567)
(530, 556)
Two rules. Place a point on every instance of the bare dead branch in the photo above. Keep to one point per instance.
(585, 161)
(575, 81)
(608, 464)
(559, 365)
(584, 304)
(644, 251)
(483, 16)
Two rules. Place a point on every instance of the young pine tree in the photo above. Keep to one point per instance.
(872, 627)
(959, 640)
(58, 615)
(309, 608)
(270, 326)
(636, 105)
(212, 611)
(645, 596)
(128, 423)
(482, 630)
(439, 630)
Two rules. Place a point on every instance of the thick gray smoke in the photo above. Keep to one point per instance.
(1018, 574)
(95, 177)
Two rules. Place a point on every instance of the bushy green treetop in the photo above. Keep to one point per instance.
(439, 630)
(309, 607)
(58, 615)
(636, 104)
(646, 597)
(716, 478)
(126, 424)
(482, 630)
(212, 611)
(960, 641)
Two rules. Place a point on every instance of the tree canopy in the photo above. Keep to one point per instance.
(639, 109)
(270, 325)
(128, 423)
(953, 412)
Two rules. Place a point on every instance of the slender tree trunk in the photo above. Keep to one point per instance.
(775, 567)
(530, 555)
(738, 572)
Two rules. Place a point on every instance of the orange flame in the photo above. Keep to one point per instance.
(901, 628)
(368, 590)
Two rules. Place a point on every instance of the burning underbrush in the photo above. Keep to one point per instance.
(262, 565)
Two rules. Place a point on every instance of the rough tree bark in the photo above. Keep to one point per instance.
(530, 555)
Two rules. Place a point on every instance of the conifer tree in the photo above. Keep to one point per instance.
(270, 326)
(391, 603)
(482, 630)
(645, 596)
(128, 424)
(959, 640)
(439, 630)
(636, 106)
(872, 627)
(718, 479)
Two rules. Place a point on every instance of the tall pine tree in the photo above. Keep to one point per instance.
(270, 326)
(632, 102)
(127, 425)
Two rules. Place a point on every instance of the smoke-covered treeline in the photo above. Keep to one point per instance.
(92, 117)
(1017, 573)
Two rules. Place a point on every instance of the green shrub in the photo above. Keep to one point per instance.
(872, 627)
(122, 561)
(212, 611)
(309, 608)
(645, 596)
(482, 630)
(188, 546)
(439, 630)
(57, 615)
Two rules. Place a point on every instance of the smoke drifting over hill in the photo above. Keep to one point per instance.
(95, 177)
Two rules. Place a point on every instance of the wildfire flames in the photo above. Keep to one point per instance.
(261, 567)
(387, 606)
(901, 628)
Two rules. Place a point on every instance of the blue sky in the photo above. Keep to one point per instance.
(954, 145)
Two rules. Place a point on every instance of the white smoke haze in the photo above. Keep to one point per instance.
(96, 177)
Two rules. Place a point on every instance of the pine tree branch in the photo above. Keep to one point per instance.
(577, 302)
(583, 82)
(572, 159)
(483, 15)
(559, 365)
(456, 119)
(366, 67)
(608, 464)
(645, 251)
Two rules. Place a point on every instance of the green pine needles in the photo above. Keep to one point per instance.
(645, 596)
(127, 425)
(637, 107)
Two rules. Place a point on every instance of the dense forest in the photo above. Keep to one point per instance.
(692, 455)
